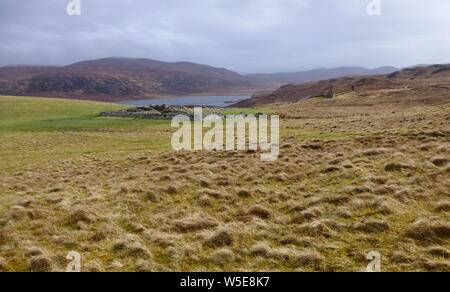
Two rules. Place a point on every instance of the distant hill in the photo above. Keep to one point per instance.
(322, 74)
(112, 79)
(432, 81)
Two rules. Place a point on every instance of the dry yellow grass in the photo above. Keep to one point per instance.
(350, 179)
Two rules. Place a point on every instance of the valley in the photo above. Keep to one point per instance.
(365, 171)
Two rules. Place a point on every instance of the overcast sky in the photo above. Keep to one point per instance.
(243, 35)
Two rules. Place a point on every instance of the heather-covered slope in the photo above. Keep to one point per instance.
(425, 80)
(121, 78)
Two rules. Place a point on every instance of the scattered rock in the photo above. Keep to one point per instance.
(159, 112)
(329, 93)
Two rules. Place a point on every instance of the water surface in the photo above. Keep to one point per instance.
(213, 101)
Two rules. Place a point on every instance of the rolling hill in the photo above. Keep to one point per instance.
(112, 79)
(322, 74)
(424, 80)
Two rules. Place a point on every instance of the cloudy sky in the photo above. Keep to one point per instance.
(244, 35)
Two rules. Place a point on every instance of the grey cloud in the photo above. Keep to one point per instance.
(243, 35)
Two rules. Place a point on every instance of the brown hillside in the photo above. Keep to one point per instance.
(409, 81)
(120, 78)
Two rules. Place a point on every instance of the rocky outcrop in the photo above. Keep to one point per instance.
(329, 93)
(159, 112)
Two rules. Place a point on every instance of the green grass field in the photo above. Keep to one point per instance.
(32, 114)
(44, 130)
(47, 129)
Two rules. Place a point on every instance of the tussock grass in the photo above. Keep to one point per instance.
(440, 161)
(443, 206)
(427, 231)
(222, 256)
(195, 223)
(113, 190)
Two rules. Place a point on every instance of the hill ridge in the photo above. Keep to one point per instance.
(110, 79)
(429, 80)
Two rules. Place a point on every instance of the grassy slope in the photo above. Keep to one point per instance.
(47, 129)
(112, 169)
(39, 129)
(41, 114)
